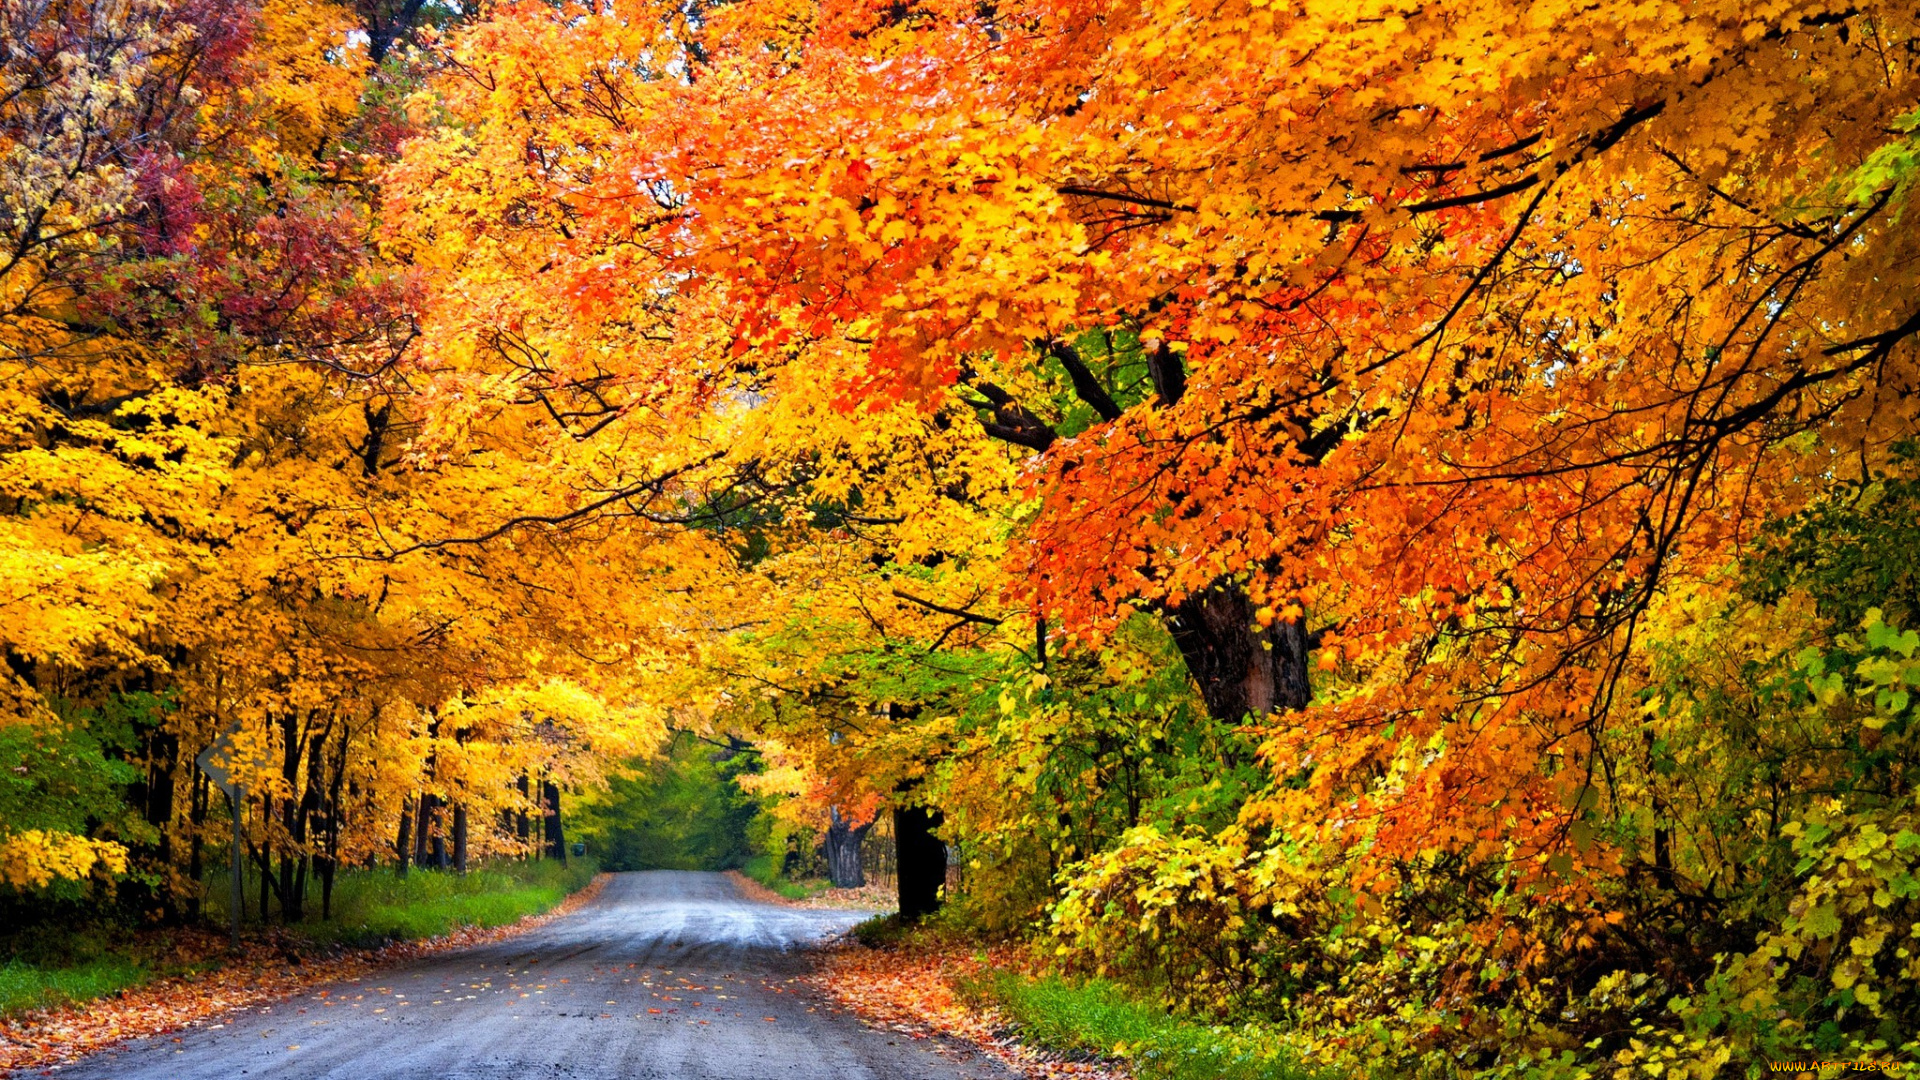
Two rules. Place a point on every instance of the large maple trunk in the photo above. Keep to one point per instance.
(920, 860)
(843, 851)
(1241, 669)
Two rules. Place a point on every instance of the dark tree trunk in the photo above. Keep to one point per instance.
(331, 826)
(263, 858)
(556, 835)
(424, 828)
(1241, 669)
(843, 851)
(523, 830)
(460, 837)
(201, 792)
(921, 867)
(403, 844)
(153, 794)
(291, 819)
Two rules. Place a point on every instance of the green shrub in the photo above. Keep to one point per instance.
(765, 869)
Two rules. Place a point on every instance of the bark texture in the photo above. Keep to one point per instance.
(1241, 669)
(843, 851)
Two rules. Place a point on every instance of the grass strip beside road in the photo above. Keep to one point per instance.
(25, 985)
(376, 907)
(1099, 1019)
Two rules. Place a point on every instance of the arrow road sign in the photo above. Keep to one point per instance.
(217, 762)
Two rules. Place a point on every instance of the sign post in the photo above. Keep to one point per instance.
(217, 762)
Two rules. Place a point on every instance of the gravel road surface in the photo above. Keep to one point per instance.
(665, 974)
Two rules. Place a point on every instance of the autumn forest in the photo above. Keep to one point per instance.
(1394, 527)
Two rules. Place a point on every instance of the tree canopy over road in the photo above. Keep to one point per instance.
(1396, 520)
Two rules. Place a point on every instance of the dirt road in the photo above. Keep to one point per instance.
(664, 974)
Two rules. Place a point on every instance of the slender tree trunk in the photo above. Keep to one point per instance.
(843, 851)
(331, 810)
(423, 829)
(163, 764)
(263, 858)
(921, 866)
(292, 744)
(403, 844)
(460, 837)
(524, 829)
(199, 793)
(556, 835)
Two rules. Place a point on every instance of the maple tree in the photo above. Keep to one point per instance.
(1407, 365)
(204, 487)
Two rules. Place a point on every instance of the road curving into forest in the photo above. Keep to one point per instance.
(665, 974)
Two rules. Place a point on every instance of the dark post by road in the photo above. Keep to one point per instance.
(239, 894)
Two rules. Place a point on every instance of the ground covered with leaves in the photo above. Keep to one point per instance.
(920, 987)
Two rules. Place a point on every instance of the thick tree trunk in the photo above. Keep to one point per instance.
(460, 837)
(1241, 669)
(154, 795)
(922, 860)
(843, 851)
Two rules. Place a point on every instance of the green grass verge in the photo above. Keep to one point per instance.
(52, 962)
(1101, 1019)
(373, 907)
(25, 985)
(766, 870)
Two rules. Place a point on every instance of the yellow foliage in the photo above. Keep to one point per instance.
(36, 858)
